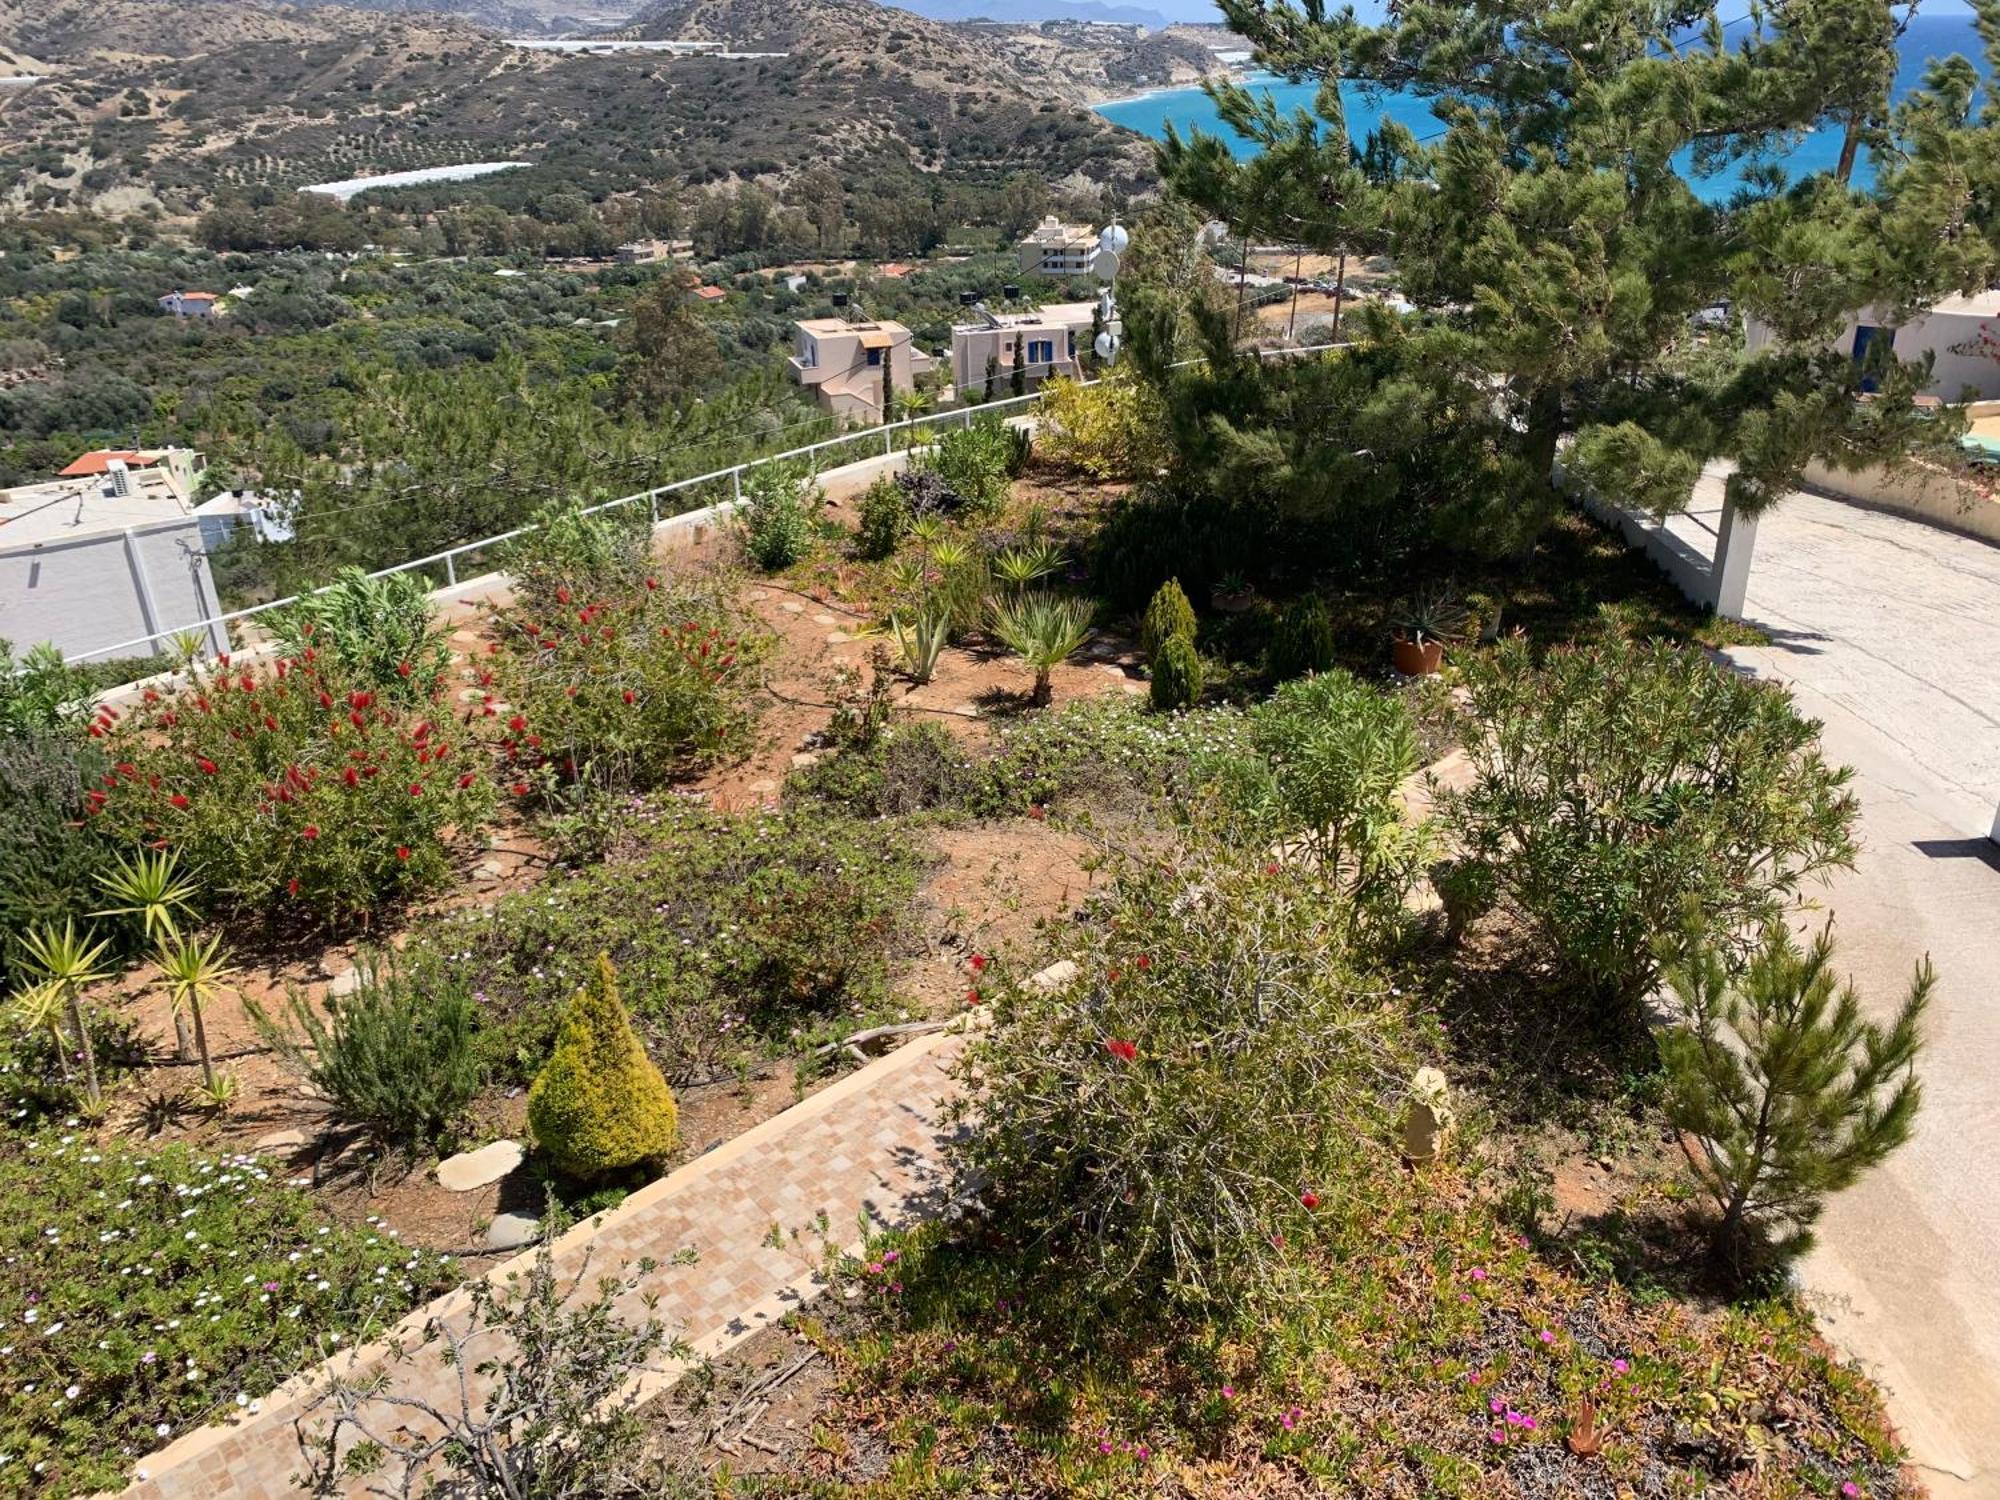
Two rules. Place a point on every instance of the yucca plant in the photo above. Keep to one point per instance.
(68, 960)
(1042, 629)
(39, 1008)
(148, 885)
(921, 641)
(1018, 567)
(950, 554)
(194, 970)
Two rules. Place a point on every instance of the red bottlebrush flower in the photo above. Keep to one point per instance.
(312, 652)
(97, 731)
(570, 691)
(326, 700)
(630, 696)
(151, 696)
(485, 677)
(665, 631)
(520, 789)
(170, 719)
(1038, 812)
(1271, 869)
(310, 831)
(271, 723)
(369, 771)
(402, 851)
(178, 800)
(422, 732)
(467, 779)
(489, 712)
(351, 776)
(359, 699)
(416, 789)
(292, 886)
(1113, 974)
(1124, 1051)
(517, 723)
(96, 798)
(493, 648)
(284, 665)
(201, 703)
(652, 583)
(207, 765)
(423, 757)
(704, 648)
(357, 721)
(562, 594)
(1142, 963)
(972, 997)
(730, 660)
(1309, 1199)
(153, 782)
(535, 740)
(109, 712)
(977, 963)
(223, 657)
(247, 683)
(403, 669)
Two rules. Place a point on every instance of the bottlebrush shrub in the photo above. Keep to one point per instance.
(1215, 1083)
(289, 789)
(624, 691)
(145, 1292)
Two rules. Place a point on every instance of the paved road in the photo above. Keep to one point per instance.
(1889, 631)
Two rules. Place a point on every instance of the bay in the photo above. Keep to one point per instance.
(1188, 110)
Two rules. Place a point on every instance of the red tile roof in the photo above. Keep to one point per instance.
(99, 462)
(896, 270)
(710, 293)
(195, 296)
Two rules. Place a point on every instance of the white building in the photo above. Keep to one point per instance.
(1962, 334)
(1045, 341)
(191, 304)
(1058, 249)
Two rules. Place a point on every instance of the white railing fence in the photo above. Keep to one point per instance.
(868, 442)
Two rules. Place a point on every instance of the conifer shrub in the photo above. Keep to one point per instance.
(1168, 615)
(1177, 676)
(1303, 640)
(599, 1105)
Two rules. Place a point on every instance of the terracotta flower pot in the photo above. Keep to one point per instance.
(1232, 601)
(1416, 658)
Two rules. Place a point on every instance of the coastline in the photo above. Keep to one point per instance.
(1233, 74)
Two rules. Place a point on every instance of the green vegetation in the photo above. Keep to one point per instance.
(1177, 680)
(599, 1104)
(148, 1290)
(1167, 616)
(381, 632)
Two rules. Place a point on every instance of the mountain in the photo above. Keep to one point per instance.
(1097, 11)
(174, 102)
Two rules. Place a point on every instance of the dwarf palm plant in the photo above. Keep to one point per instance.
(1042, 629)
(38, 1009)
(1019, 567)
(194, 971)
(68, 960)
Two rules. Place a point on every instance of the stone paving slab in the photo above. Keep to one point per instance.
(867, 1146)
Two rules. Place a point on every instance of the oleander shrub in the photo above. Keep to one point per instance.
(599, 1105)
(294, 789)
(397, 1059)
(776, 517)
(733, 937)
(380, 633)
(40, 691)
(1168, 614)
(1625, 788)
(1161, 1124)
(52, 862)
(622, 691)
(144, 1292)
(884, 518)
(1302, 641)
(1177, 677)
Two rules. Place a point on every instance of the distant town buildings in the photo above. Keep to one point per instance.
(1058, 249)
(646, 252)
(843, 364)
(709, 294)
(112, 549)
(191, 304)
(1045, 342)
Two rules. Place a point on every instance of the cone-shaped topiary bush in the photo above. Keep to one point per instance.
(1169, 615)
(1303, 641)
(1176, 674)
(599, 1105)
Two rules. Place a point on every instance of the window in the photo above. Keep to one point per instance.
(1041, 352)
(1864, 336)
(874, 356)
(809, 353)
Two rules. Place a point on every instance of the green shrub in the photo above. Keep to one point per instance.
(39, 691)
(885, 517)
(1167, 615)
(1101, 750)
(381, 633)
(1176, 674)
(53, 863)
(1114, 428)
(971, 462)
(732, 936)
(599, 1105)
(601, 555)
(1791, 1094)
(182, 1286)
(1020, 451)
(293, 789)
(1617, 786)
(398, 1058)
(1158, 1124)
(776, 516)
(912, 768)
(625, 690)
(1302, 641)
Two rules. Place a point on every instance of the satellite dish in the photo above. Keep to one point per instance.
(1114, 238)
(1106, 345)
(1104, 264)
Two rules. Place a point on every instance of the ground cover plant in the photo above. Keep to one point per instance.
(731, 936)
(147, 1292)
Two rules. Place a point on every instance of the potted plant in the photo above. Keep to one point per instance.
(1232, 594)
(1430, 618)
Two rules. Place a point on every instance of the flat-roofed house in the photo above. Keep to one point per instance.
(1054, 248)
(1047, 341)
(843, 364)
(191, 304)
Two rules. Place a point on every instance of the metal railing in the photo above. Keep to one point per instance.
(884, 437)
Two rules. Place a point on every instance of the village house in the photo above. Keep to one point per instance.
(191, 304)
(1058, 249)
(1045, 341)
(1959, 333)
(844, 363)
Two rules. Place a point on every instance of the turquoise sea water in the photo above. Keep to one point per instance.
(1191, 109)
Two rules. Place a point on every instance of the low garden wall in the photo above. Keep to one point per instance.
(1923, 492)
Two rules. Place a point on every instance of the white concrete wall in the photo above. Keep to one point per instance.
(1923, 492)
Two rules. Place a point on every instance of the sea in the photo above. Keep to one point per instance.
(1187, 110)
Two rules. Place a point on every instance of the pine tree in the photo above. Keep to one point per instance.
(1791, 1094)
(599, 1105)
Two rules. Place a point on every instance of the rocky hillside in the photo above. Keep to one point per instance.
(158, 101)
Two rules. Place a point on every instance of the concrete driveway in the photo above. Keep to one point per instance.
(1889, 631)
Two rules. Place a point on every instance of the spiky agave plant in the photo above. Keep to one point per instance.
(1043, 629)
(920, 641)
(1018, 567)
